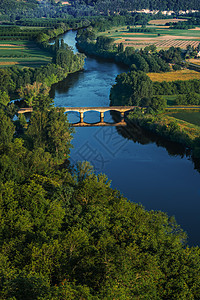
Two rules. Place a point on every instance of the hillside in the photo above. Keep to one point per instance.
(92, 7)
(151, 4)
(13, 5)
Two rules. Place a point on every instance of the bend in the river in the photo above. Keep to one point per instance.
(146, 169)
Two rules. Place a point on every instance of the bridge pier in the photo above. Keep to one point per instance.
(102, 117)
(122, 116)
(81, 117)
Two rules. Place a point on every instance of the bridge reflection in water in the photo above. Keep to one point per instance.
(101, 110)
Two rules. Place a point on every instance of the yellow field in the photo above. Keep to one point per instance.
(164, 21)
(194, 61)
(5, 63)
(176, 75)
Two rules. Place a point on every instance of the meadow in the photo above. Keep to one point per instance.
(23, 54)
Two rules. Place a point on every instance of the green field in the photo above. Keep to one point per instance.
(190, 117)
(170, 99)
(23, 54)
(163, 38)
(166, 31)
(179, 32)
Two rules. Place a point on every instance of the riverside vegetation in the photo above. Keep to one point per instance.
(136, 88)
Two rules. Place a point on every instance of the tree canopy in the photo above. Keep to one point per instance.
(131, 88)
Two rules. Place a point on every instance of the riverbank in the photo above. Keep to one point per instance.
(169, 127)
(63, 62)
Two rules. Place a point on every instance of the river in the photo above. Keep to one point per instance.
(147, 170)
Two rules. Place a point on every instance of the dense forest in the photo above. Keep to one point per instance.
(147, 4)
(50, 8)
(66, 234)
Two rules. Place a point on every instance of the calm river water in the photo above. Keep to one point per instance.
(147, 170)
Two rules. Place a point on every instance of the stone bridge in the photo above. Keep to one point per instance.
(101, 110)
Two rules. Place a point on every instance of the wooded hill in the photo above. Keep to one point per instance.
(12, 4)
(148, 4)
(93, 7)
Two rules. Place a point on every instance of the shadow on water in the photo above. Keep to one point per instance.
(144, 137)
(66, 84)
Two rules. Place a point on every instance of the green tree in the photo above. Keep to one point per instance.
(59, 134)
(120, 47)
(131, 88)
(29, 93)
(50, 130)
(7, 129)
(6, 83)
(4, 99)
(104, 43)
(158, 103)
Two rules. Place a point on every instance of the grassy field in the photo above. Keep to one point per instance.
(174, 75)
(163, 38)
(23, 54)
(190, 117)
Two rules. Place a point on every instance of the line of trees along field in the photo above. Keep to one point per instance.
(147, 59)
(136, 88)
(64, 62)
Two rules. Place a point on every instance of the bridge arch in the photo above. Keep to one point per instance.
(101, 110)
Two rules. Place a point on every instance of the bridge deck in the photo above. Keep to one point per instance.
(85, 109)
(100, 109)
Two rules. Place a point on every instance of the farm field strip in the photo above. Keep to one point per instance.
(163, 38)
(190, 117)
(162, 45)
(194, 61)
(177, 43)
(176, 75)
(22, 53)
(164, 21)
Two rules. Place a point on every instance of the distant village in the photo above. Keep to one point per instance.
(165, 12)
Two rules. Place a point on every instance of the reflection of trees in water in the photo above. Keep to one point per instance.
(137, 134)
(142, 136)
(196, 164)
(134, 133)
(67, 83)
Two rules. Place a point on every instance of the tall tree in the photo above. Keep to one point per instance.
(131, 88)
